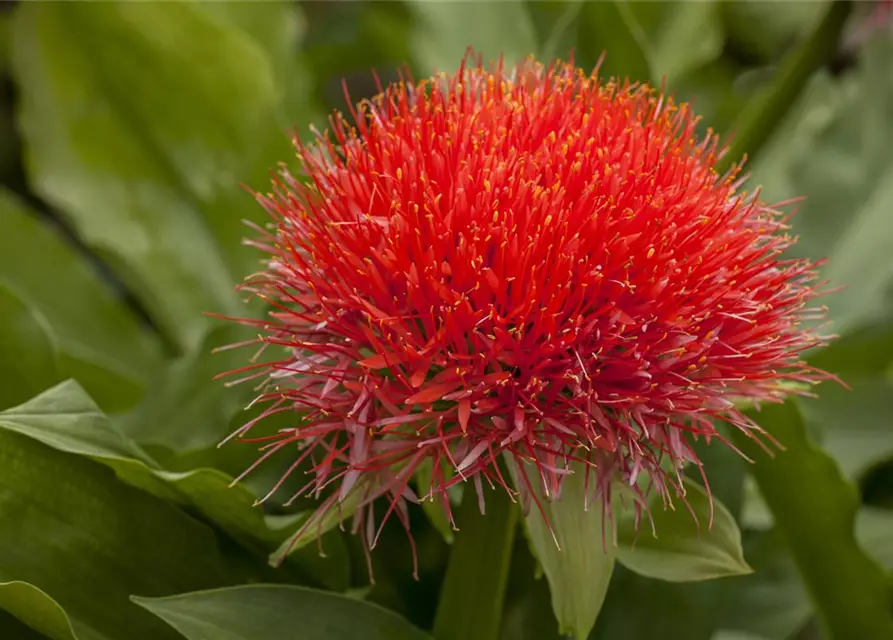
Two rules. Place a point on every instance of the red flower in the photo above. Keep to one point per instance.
(531, 262)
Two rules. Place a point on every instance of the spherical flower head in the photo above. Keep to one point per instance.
(529, 265)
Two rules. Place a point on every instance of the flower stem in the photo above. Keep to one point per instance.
(471, 598)
(766, 110)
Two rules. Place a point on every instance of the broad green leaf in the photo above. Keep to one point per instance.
(680, 36)
(874, 531)
(444, 31)
(28, 357)
(40, 612)
(184, 408)
(815, 518)
(577, 555)
(835, 150)
(765, 29)
(99, 340)
(278, 26)
(684, 546)
(612, 29)
(528, 604)
(638, 607)
(856, 424)
(771, 602)
(71, 529)
(271, 612)
(140, 121)
(66, 419)
(473, 591)
(556, 27)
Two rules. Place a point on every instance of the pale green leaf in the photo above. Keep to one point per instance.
(684, 546)
(277, 612)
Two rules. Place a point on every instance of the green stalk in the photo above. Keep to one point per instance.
(765, 111)
(472, 595)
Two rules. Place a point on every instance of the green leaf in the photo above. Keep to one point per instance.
(40, 612)
(873, 531)
(473, 590)
(99, 340)
(579, 559)
(638, 607)
(184, 408)
(28, 356)
(444, 31)
(816, 517)
(856, 424)
(71, 529)
(680, 36)
(268, 612)
(684, 547)
(611, 28)
(765, 29)
(556, 27)
(432, 508)
(277, 26)
(770, 602)
(767, 109)
(66, 419)
(140, 122)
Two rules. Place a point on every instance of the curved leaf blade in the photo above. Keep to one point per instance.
(28, 356)
(71, 529)
(817, 520)
(40, 612)
(274, 612)
(579, 567)
(99, 339)
(140, 122)
(683, 548)
(444, 31)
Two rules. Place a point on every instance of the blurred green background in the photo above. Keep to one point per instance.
(127, 132)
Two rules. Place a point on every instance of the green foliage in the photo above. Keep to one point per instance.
(127, 131)
(265, 612)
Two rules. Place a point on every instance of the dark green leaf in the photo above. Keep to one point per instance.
(141, 120)
(769, 603)
(816, 520)
(41, 612)
(611, 28)
(267, 612)
(473, 591)
(278, 26)
(444, 30)
(28, 356)
(874, 531)
(66, 419)
(71, 529)
(577, 555)
(638, 607)
(185, 409)
(99, 339)
(684, 546)
(765, 29)
(680, 36)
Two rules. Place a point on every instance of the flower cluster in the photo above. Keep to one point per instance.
(529, 265)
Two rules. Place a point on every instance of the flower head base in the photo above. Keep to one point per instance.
(531, 263)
